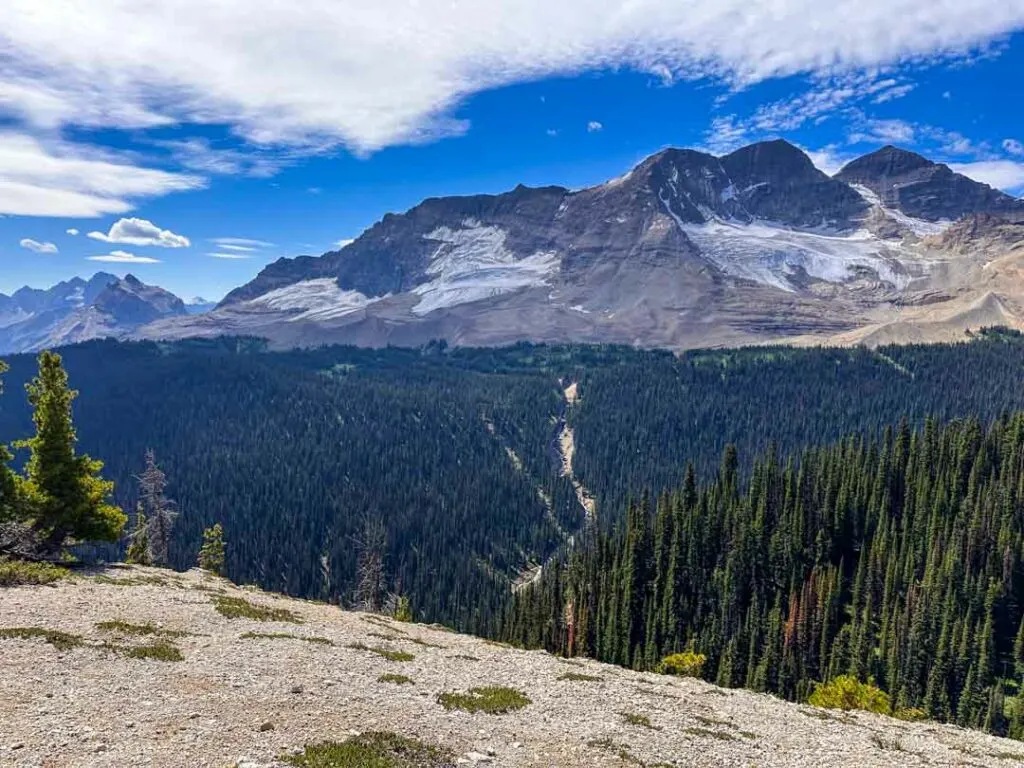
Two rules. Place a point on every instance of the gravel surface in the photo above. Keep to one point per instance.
(237, 701)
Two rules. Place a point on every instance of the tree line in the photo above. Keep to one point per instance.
(897, 561)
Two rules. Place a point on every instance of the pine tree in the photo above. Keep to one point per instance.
(138, 543)
(65, 495)
(211, 554)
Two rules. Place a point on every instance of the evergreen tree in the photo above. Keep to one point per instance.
(65, 496)
(138, 543)
(211, 554)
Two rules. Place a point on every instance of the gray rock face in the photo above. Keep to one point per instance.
(778, 182)
(77, 310)
(918, 187)
(687, 249)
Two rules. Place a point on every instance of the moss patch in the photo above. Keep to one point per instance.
(579, 678)
(159, 651)
(384, 653)
(240, 608)
(285, 636)
(641, 721)
(62, 641)
(494, 700)
(396, 679)
(16, 573)
(127, 628)
(373, 750)
(707, 733)
(135, 581)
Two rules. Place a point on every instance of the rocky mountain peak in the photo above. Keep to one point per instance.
(913, 184)
(777, 181)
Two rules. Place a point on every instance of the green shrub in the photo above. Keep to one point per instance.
(373, 750)
(685, 664)
(847, 692)
(240, 608)
(494, 700)
(403, 612)
(15, 573)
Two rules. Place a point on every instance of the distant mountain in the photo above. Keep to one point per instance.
(76, 310)
(687, 249)
(198, 305)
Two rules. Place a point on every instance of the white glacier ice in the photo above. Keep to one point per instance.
(473, 263)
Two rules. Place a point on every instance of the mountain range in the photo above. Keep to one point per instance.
(77, 310)
(685, 250)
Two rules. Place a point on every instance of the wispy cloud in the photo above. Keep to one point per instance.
(124, 257)
(72, 231)
(241, 241)
(240, 63)
(594, 126)
(38, 247)
(140, 232)
(229, 255)
(60, 179)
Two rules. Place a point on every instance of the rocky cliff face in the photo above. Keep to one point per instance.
(687, 249)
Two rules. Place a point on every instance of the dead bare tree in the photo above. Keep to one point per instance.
(371, 544)
(159, 510)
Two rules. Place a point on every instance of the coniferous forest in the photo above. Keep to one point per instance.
(448, 457)
(897, 560)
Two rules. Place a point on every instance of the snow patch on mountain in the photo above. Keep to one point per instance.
(919, 227)
(472, 263)
(320, 299)
(773, 256)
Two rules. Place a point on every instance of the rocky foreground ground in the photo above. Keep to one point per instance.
(250, 692)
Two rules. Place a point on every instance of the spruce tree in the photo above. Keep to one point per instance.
(138, 543)
(211, 554)
(65, 496)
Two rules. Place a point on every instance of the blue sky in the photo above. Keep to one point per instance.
(196, 155)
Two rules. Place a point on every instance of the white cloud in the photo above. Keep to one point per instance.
(124, 257)
(141, 232)
(200, 154)
(883, 132)
(551, 132)
(1013, 146)
(345, 241)
(277, 74)
(38, 247)
(73, 232)
(230, 255)
(241, 241)
(1001, 174)
(238, 248)
(828, 159)
(594, 126)
(61, 179)
(725, 134)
